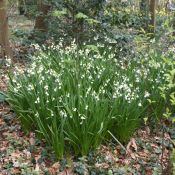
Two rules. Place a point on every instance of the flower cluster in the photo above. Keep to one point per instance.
(78, 95)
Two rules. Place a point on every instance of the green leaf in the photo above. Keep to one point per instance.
(81, 16)
(92, 21)
(59, 13)
(2, 97)
(158, 150)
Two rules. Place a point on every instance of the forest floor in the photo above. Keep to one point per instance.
(148, 152)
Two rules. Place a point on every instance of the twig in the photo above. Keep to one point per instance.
(117, 141)
(163, 132)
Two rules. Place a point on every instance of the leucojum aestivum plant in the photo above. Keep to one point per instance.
(73, 97)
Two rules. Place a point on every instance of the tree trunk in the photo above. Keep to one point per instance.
(153, 4)
(173, 24)
(41, 24)
(4, 38)
(21, 7)
(144, 10)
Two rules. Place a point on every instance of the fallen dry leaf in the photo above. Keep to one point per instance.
(132, 144)
(54, 169)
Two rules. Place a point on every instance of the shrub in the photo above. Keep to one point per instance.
(73, 97)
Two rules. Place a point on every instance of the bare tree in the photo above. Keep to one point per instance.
(41, 24)
(144, 10)
(153, 4)
(4, 34)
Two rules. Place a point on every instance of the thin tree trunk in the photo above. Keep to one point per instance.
(144, 10)
(21, 7)
(41, 24)
(4, 35)
(173, 24)
(153, 4)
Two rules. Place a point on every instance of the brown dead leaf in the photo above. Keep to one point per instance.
(1, 122)
(54, 169)
(132, 144)
(37, 168)
(154, 145)
(137, 166)
(27, 153)
(67, 172)
(126, 161)
(15, 155)
(32, 138)
(143, 154)
(16, 171)
(147, 130)
(133, 156)
(102, 165)
(110, 157)
(167, 136)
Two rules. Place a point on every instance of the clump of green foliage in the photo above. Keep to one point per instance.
(74, 97)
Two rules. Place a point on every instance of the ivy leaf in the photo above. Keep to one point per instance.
(2, 97)
(158, 150)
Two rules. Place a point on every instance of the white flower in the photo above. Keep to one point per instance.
(83, 118)
(37, 114)
(140, 104)
(114, 96)
(15, 90)
(46, 87)
(63, 114)
(14, 81)
(37, 100)
(75, 109)
(52, 114)
(30, 87)
(147, 94)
